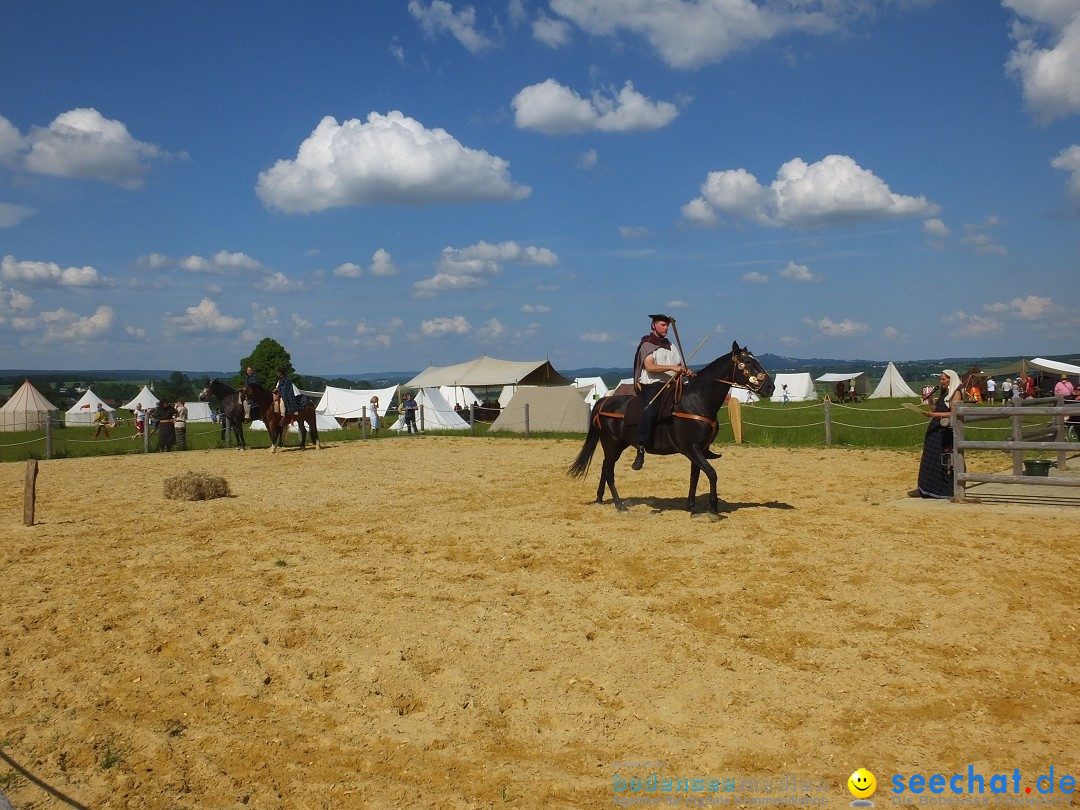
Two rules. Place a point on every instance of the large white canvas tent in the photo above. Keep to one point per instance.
(488, 372)
(592, 387)
(434, 413)
(800, 387)
(147, 398)
(82, 412)
(550, 408)
(858, 379)
(343, 404)
(27, 410)
(197, 411)
(1055, 366)
(459, 395)
(892, 385)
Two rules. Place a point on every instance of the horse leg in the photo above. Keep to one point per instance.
(695, 473)
(701, 464)
(607, 475)
(303, 432)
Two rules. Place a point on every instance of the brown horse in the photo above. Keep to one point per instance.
(276, 424)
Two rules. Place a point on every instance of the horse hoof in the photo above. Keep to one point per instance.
(621, 506)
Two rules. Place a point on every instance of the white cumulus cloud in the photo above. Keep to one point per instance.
(834, 191)
(555, 109)
(797, 272)
(846, 328)
(1068, 160)
(1046, 59)
(439, 17)
(1030, 308)
(11, 214)
(83, 143)
(389, 159)
(469, 267)
(204, 318)
(50, 274)
(692, 34)
(436, 327)
(64, 326)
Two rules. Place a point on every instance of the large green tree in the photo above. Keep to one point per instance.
(267, 358)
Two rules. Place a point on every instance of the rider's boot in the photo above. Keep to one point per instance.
(639, 462)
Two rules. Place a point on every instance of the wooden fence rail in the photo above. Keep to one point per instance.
(1049, 437)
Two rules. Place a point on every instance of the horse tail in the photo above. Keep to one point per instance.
(581, 464)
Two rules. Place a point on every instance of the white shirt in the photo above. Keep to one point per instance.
(662, 357)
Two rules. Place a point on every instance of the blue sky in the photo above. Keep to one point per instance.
(385, 186)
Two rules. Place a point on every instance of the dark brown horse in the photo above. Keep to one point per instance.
(277, 424)
(233, 411)
(689, 429)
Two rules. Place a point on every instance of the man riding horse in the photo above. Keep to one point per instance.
(656, 364)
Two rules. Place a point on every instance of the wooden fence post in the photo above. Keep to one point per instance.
(30, 492)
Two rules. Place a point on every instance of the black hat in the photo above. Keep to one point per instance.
(664, 318)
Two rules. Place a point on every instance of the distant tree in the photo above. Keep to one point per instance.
(267, 358)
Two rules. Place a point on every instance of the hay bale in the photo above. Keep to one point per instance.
(192, 486)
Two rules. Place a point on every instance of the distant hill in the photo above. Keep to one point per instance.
(911, 370)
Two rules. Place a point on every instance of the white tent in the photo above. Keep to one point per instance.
(459, 395)
(27, 410)
(559, 408)
(344, 404)
(857, 379)
(892, 385)
(800, 387)
(197, 411)
(486, 372)
(592, 387)
(147, 398)
(1057, 366)
(434, 413)
(82, 412)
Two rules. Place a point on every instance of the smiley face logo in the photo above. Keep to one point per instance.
(862, 784)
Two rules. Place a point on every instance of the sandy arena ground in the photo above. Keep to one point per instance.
(450, 622)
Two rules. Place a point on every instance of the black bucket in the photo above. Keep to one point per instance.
(1038, 466)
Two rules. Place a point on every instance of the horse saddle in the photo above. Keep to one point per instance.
(634, 410)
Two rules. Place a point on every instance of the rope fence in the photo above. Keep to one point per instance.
(836, 423)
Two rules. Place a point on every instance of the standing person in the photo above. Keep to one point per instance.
(410, 406)
(250, 379)
(180, 424)
(787, 397)
(101, 420)
(1064, 387)
(374, 414)
(935, 468)
(1018, 390)
(1006, 390)
(991, 389)
(166, 415)
(655, 363)
(140, 421)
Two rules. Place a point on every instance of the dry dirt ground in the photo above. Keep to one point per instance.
(450, 622)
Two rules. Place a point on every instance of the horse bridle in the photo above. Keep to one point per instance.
(753, 381)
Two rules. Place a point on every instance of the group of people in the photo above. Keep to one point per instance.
(1013, 390)
(167, 419)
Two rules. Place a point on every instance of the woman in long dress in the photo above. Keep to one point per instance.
(935, 468)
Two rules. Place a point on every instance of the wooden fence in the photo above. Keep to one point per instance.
(1048, 436)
